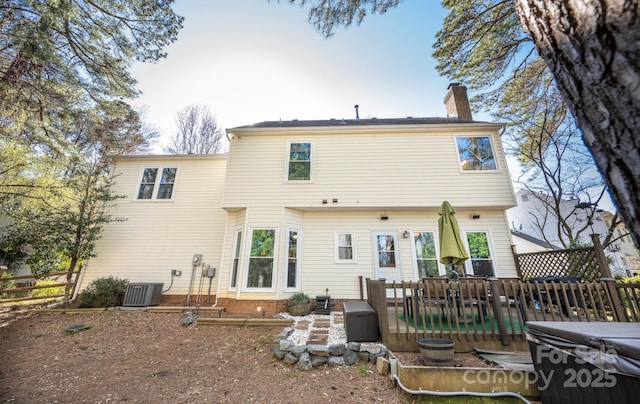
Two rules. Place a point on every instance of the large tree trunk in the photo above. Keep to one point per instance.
(593, 49)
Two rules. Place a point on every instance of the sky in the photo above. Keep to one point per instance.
(250, 61)
(257, 60)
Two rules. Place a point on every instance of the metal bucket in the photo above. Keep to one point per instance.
(436, 351)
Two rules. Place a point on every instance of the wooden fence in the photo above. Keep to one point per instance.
(25, 285)
(492, 314)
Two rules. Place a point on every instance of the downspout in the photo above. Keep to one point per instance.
(78, 283)
(224, 247)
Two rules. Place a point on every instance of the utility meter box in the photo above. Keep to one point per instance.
(209, 271)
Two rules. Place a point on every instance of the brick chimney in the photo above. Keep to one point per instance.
(457, 103)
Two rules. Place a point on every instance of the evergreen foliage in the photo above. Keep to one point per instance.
(64, 73)
(104, 292)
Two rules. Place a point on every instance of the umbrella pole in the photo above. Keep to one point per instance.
(455, 276)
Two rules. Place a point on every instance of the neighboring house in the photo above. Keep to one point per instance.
(528, 244)
(623, 253)
(531, 221)
(311, 206)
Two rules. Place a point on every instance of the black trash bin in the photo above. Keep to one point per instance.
(590, 362)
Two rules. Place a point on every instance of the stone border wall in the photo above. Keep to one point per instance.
(307, 357)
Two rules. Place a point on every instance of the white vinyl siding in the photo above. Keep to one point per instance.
(376, 169)
(357, 175)
(155, 238)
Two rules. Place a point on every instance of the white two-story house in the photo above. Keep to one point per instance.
(312, 206)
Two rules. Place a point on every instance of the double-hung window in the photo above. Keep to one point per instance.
(157, 183)
(345, 249)
(476, 153)
(299, 161)
(261, 259)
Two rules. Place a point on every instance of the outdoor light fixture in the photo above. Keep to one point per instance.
(406, 234)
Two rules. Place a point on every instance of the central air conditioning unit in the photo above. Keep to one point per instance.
(143, 294)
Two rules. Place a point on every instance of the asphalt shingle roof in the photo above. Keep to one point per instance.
(357, 122)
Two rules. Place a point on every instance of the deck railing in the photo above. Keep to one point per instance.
(475, 312)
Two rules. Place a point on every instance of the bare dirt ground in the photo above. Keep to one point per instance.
(140, 357)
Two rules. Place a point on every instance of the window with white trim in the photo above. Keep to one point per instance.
(154, 186)
(476, 153)
(260, 274)
(480, 261)
(236, 261)
(292, 260)
(345, 247)
(299, 161)
(425, 250)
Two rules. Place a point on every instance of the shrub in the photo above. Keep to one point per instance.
(104, 292)
(632, 279)
(299, 297)
(58, 290)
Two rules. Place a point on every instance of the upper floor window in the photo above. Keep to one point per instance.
(299, 162)
(345, 251)
(154, 186)
(476, 153)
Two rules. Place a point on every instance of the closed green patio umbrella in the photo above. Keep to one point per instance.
(452, 249)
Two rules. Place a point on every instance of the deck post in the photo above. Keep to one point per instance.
(383, 315)
(614, 297)
(600, 255)
(497, 311)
